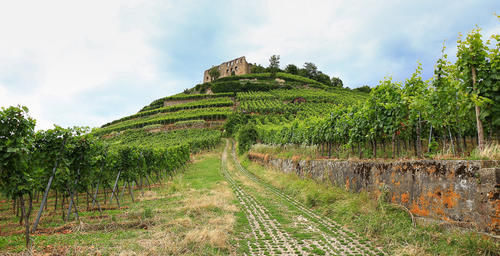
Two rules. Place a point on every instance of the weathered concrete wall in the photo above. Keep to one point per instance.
(464, 193)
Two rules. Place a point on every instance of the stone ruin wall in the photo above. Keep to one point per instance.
(239, 66)
(457, 192)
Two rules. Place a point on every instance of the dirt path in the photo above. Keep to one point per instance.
(281, 225)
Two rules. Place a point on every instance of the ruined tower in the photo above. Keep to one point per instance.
(238, 66)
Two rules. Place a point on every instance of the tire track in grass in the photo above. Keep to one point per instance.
(334, 239)
(270, 239)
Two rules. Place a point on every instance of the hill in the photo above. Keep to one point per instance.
(206, 107)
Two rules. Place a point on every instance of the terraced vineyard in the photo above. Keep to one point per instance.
(209, 114)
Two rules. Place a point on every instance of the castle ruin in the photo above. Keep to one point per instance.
(238, 66)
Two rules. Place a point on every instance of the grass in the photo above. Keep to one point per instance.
(287, 151)
(194, 213)
(491, 151)
(388, 227)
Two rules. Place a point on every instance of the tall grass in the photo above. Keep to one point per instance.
(490, 151)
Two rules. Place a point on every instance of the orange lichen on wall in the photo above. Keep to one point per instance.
(416, 209)
(495, 223)
(450, 198)
(393, 179)
(431, 169)
(405, 197)
(254, 155)
(266, 158)
(450, 175)
(495, 220)
(347, 184)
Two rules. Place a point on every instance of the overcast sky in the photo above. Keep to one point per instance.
(89, 62)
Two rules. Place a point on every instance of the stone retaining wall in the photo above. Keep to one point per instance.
(464, 193)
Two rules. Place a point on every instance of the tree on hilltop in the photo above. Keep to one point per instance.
(292, 69)
(310, 70)
(274, 64)
(337, 82)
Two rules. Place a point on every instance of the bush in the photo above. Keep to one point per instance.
(364, 88)
(247, 136)
(233, 123)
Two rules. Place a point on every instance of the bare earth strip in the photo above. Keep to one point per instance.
(294, 231)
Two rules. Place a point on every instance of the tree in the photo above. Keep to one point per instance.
(16, 172)
(214, 73)
(246, 137)
(257, 68)
(471, 62)
(364, 88)
(311, 71)
(323, 78)
(337, 82)
(292, 69)
(274, 64)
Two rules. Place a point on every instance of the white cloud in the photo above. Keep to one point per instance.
(53, 51)
(361, 40)
(89, 62)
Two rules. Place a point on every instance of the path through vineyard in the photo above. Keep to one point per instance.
(281, 225)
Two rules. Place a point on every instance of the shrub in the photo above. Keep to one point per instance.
(247, 136)
(234, 121)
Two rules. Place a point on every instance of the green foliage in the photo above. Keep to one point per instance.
(16, 140)
(170, 118)
(234, 122)
(196, 139)
(409, 111)
(189, 123)
(279, 101)
(364, 88)
(291, 69)
(182, 96)
(299, 80)
(247, 136)
(337, 82)
(214, 73)
(310, 70)
(257, 68)
(274, 65)
(203, 103)
(235, 86)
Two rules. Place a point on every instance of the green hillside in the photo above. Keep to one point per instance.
(206, 107)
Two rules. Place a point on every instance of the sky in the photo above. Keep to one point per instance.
(85, 63)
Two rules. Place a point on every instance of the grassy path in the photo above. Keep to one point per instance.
(192, 213)
(282, 225)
